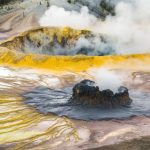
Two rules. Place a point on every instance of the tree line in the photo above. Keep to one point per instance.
(3, 2)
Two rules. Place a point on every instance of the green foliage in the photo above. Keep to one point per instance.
(71, 1)
(3, 2)
(107, 8)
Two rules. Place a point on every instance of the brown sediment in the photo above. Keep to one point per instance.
(136, 144)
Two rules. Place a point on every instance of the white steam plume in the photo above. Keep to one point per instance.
(128, 31)
(130, 28)
(107, 79)
(57, 16)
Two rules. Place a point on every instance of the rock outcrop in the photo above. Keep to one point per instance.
(86, 93)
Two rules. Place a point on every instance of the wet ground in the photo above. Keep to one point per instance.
(55, 101)
(24, 127)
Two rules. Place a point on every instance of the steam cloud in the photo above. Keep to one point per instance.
(107, 79)
(128, 31)
(57, 16)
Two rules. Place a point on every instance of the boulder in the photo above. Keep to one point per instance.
(87, 93)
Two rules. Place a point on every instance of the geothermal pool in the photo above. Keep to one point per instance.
(50, 93)
(55, 101)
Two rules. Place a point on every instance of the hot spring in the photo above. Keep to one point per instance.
(56, 101)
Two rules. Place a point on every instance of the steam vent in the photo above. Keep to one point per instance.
(74, 74)
(86, 93)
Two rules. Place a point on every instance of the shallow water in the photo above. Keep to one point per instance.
(56, 101)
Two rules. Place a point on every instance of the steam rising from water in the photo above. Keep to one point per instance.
(107, 79)
(57, 16)
(128, 32)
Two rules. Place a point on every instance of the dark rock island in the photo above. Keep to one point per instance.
(87, 93)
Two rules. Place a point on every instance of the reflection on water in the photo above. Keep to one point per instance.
(56, 101)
